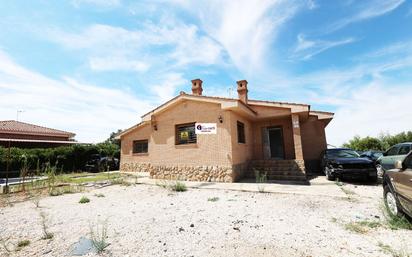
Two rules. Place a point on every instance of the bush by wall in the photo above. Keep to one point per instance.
(66, 158)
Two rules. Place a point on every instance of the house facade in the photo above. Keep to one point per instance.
(281, 140)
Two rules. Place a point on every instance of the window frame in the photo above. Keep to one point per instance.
(241, 137)
(140, 141)
(190, 141)
(403, 147)
(393, 147)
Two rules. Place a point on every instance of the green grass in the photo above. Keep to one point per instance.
(84, 199)
(178, 187)
(395, 253)
(98, 235)
(213, 199)
(79, 178)
(23, 243)
(395, 222)
(362, 227)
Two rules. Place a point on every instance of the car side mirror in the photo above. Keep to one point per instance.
(398, 165)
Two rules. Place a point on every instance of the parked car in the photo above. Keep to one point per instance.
(371, 155)
(100, 163)
(345, 162)
(397, 187)
(395, 153)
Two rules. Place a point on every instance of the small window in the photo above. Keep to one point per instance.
(404, 150)
(186, 134)
(393, 151)
(241, 132)
(140, 146)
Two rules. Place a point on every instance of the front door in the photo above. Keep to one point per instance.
(276, 143)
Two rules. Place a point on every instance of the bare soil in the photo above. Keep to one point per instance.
(148, 220)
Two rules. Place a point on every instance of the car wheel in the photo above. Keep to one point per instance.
(328, 175)
(380, 170)
(390, 202)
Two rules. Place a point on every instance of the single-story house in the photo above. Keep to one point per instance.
(204, 138)
(24, 135)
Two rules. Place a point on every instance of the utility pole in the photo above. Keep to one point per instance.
(17, 115)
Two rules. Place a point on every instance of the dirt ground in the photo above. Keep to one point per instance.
(148, 220)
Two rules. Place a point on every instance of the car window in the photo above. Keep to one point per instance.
(343, 153)
(393, 151)
(404, 149)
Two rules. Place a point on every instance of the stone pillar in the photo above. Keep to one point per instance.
(297, 140)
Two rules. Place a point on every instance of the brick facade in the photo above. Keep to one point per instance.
(220, 157)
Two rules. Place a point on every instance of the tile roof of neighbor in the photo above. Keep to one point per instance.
(18, 127)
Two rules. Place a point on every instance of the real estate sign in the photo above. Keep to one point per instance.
(205, 128)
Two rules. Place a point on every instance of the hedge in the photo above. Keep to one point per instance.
(65, 158)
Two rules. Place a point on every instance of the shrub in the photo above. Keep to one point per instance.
(179, 187)
(46, 233)
(65, 158)
(84, 199)
(99, 195)
(213, 199)
(23, 243)
(98, 236)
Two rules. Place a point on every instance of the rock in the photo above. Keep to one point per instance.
(192, 225)
(181, 229)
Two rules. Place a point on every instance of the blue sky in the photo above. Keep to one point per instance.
(93, 66)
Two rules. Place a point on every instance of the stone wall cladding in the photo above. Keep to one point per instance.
(183, 172)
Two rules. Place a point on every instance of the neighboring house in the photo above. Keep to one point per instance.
(24, 135)
(276, 138)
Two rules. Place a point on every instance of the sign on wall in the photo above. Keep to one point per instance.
(205, 128)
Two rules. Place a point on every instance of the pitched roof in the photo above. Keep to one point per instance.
(18, 127)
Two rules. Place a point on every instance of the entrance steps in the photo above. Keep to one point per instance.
(278, 169)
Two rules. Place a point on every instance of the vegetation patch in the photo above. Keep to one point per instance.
(260, 179)
(98, 236)
(403, 252)
(395, 222)
(45, 228)
(213, 199)
(23, 243)
(84, 199)
(362, 227)
(178, 187)
(99, 195)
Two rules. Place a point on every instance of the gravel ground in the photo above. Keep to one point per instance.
(145, 220)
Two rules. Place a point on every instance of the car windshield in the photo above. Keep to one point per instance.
(343, 153)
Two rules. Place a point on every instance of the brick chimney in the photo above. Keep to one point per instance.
(242, 90)
(197, 87)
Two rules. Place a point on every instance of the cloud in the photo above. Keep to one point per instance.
(306, 49)
(165, 89)
(99, 3)
(367, 10)
(245, 29)
(371, 110)
(117, 63)
(116, 48)
(90, 111)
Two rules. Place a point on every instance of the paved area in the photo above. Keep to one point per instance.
(319, 186)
